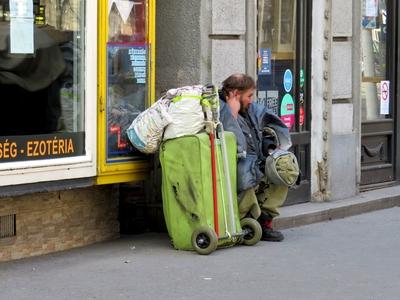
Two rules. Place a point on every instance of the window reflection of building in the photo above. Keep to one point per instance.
(70, 14)
(374, 56)
(117, 26)
(277, 19)
(277, 57)
(267, 23)
(126, 21)
(51, 78)
(63, 14)
(287, 21)
(52, 13)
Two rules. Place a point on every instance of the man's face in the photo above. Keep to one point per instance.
(246, 98)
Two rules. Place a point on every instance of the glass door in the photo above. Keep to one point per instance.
(377, 92)
(126, 77)
(283, 72)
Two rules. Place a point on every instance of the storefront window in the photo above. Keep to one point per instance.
(42, 46)
(281, 60)
(127, 68)
(283, 64)
(276, 66)
(375, 86)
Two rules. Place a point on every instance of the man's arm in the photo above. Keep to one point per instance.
(234, 104)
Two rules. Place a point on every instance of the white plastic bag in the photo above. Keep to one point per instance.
(185, 111)
(145, 132)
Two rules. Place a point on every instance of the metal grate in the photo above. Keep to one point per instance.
(7, 226)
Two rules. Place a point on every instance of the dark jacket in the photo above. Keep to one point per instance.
(248, 129)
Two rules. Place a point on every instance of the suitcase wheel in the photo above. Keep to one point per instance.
(204, 240)
(251, 231)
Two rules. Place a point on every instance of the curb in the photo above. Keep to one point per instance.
(314, 212)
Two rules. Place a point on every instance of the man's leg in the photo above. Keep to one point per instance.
(248, 204)
(270, 198)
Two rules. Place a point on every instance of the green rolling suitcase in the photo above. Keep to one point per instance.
(193, 222)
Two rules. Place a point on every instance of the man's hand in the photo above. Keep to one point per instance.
(233, 101)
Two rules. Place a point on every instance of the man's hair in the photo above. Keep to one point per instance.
(239, 81)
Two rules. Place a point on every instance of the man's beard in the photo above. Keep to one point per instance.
(243, 109)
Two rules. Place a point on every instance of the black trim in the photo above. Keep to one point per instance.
(41, 187)
(395, 95)
(391, 58)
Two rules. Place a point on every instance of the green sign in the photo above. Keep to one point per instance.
(302, 79)
(288, 111)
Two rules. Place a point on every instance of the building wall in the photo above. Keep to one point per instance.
(56, 221)
(178, 49)
(216, 38)
(344, 139)
(199, 42)
(334, 102)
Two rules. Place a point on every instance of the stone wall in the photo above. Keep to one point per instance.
(56, 221)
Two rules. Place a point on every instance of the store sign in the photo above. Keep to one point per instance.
(138, 59)
(264, 61)
(301, 116)
(302, 78)
(133, 59)
(270, 99)
(273, 101)
(288, 80)
(288, 111)
(45, 146)
(301, 107)
(384, 109)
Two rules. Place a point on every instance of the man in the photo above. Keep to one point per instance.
(257, 197)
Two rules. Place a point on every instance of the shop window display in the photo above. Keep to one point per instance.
(127, 74)
(42, 79)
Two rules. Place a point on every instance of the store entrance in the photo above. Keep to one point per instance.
(283, 69)
(378, 150)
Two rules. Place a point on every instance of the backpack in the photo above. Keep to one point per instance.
(281, 166)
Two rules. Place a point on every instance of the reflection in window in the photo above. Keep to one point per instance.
(277, 71)
(46, 84)
(287, 21)
(374, 56)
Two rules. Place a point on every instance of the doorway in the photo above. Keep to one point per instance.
(283, 81)
(378, 90)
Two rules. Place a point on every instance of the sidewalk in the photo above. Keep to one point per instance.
(313, 212)
(325, 261)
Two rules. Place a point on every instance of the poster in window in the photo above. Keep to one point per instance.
(21, 27)
(126, 94)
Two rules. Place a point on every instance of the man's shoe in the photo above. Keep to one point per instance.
(270, 235)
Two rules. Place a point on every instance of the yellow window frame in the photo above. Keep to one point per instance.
(131, 170)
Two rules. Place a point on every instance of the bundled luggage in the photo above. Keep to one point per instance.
(145, 132)
(178, 113)
(198, 161)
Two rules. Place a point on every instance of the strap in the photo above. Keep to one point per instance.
(179, 98)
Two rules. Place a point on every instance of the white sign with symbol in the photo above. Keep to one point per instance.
(371, 8)
(385, 92)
